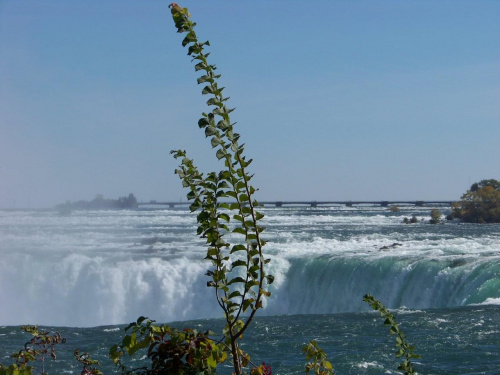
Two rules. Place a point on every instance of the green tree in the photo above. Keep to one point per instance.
(480, 204)
(483, 183)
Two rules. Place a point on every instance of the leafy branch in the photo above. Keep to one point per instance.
(88, 363)
(318, 362)
(225, 204)
(40, 347)
(405, 349)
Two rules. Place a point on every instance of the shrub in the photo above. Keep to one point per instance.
(435, 216)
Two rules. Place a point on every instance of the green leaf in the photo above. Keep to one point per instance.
(233, 195)
(209, 131)
(223, 125)
(248, 303)
(215, 141)
(214, 101)
(240, 185)
(190, 37)
(220, 153)
(246, 210)
(223, 185)
(236, 293)
(194, 49)
(202, 122)
(237, 279)
(239, 230)
(224, 217)
(211, 362)
(212, 251)
(204, 78)
(249, 223)
(238, 263)
(207, 90)
(238, 248)
(200, 66)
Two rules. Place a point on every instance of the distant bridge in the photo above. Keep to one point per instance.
(318, 203)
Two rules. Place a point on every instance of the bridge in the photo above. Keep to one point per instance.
(318, 203)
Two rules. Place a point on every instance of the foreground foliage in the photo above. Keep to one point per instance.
(225, 204)
(318, 360)
(404, 349)
(187, 352)
(40, 348)
(169, 351)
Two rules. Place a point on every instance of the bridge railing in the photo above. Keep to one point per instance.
(418, 203)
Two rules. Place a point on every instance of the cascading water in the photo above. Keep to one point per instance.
(108, 267)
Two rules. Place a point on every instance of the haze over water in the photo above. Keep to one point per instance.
(334, 100)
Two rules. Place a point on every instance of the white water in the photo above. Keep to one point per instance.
(108, 267)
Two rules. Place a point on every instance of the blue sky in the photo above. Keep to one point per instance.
(335, 100)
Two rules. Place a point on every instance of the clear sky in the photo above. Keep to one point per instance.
(335, 100)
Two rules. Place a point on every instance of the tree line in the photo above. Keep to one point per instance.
(100, 203)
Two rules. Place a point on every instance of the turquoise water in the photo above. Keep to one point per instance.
(463, 340)
(101, 269)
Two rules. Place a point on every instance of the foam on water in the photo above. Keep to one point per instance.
(82, 290)
(107, 267)
(490, 301)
